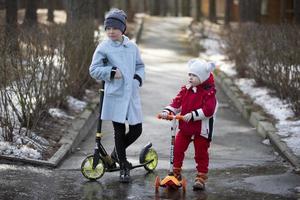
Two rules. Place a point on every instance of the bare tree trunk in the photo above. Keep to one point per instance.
(228, 10)
(250, 10)
(129, 11)
(11, 32)
(155, 7)
(97, 8)
(11, 12)
(282, 10)
(50, 14)
(79, 10)
(186, 7)
(176, 8)
(79, 14)
(212, 11)
(145, 7)
(198, 5)
(257, 10)
(164, 7)
(104, 6)
(30, 13)
(297, 11)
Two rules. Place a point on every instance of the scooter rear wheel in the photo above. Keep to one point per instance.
(88, 171)
(151, 155)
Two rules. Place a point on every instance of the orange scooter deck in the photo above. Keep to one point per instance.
(170, 181)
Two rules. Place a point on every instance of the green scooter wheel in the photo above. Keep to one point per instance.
(88, 171)
(151, 155)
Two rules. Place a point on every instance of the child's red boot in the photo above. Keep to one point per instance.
(177, 173)
(200, 180)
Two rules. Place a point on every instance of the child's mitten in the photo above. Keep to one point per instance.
(164, 114)
(187, 117)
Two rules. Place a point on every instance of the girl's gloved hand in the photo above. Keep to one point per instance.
(164, 114)
(187, 117)
(118, 74)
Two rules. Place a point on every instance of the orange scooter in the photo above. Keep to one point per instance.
(170, 181)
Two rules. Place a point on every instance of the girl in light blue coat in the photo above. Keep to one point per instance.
(117, 61)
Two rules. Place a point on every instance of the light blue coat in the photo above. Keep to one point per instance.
(121, 96)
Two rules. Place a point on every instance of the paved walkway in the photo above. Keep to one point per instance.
(237, 153)
(165, 51)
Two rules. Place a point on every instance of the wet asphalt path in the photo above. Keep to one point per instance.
(241, 166)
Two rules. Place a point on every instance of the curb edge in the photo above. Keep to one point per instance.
(265, 129)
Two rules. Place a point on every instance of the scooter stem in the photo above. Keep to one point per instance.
(174, 119)
(173, 133)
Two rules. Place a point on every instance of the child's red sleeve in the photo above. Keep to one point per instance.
(176, 102)
(210, 104)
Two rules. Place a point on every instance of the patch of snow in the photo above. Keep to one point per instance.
(58, 113)
(1, 134)
(76, 104)
(87, 91)
(273, 105)
(27, 144)
(280, 110)
(294, 142)
(17, 150)
(266, 142)
(213, 53)
(288, 130)
(228, 68)
(212, 46)
(297, 189)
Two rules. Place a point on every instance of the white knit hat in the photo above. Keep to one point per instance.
(201, 69)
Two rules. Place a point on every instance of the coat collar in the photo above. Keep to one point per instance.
(209, 83)
(193, 88)
(125, 42)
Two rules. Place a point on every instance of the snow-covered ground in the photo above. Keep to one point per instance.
(287, 129)
(30, 145)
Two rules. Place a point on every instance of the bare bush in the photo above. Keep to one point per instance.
(79, 48)
(270, 55)
(51, 63)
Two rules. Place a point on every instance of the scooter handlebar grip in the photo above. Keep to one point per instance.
(179, 117)
(171, 117)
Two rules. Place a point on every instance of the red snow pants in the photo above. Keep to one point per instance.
(201, 146)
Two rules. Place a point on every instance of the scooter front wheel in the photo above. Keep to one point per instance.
(88, 171)
(151, 155)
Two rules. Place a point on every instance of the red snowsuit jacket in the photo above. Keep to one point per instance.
(202, 103)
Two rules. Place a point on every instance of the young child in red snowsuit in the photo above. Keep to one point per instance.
(197, 102)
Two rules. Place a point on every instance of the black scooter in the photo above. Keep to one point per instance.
(95, 165)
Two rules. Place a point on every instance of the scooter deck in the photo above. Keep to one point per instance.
(170, 182)
(114, 169)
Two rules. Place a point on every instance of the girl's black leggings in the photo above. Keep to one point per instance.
(123, 139)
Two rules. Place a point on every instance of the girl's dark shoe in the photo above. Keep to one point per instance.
(128, 164)
(114, 157)
(124, 174)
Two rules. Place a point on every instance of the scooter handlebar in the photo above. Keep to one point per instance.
(171, 117)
